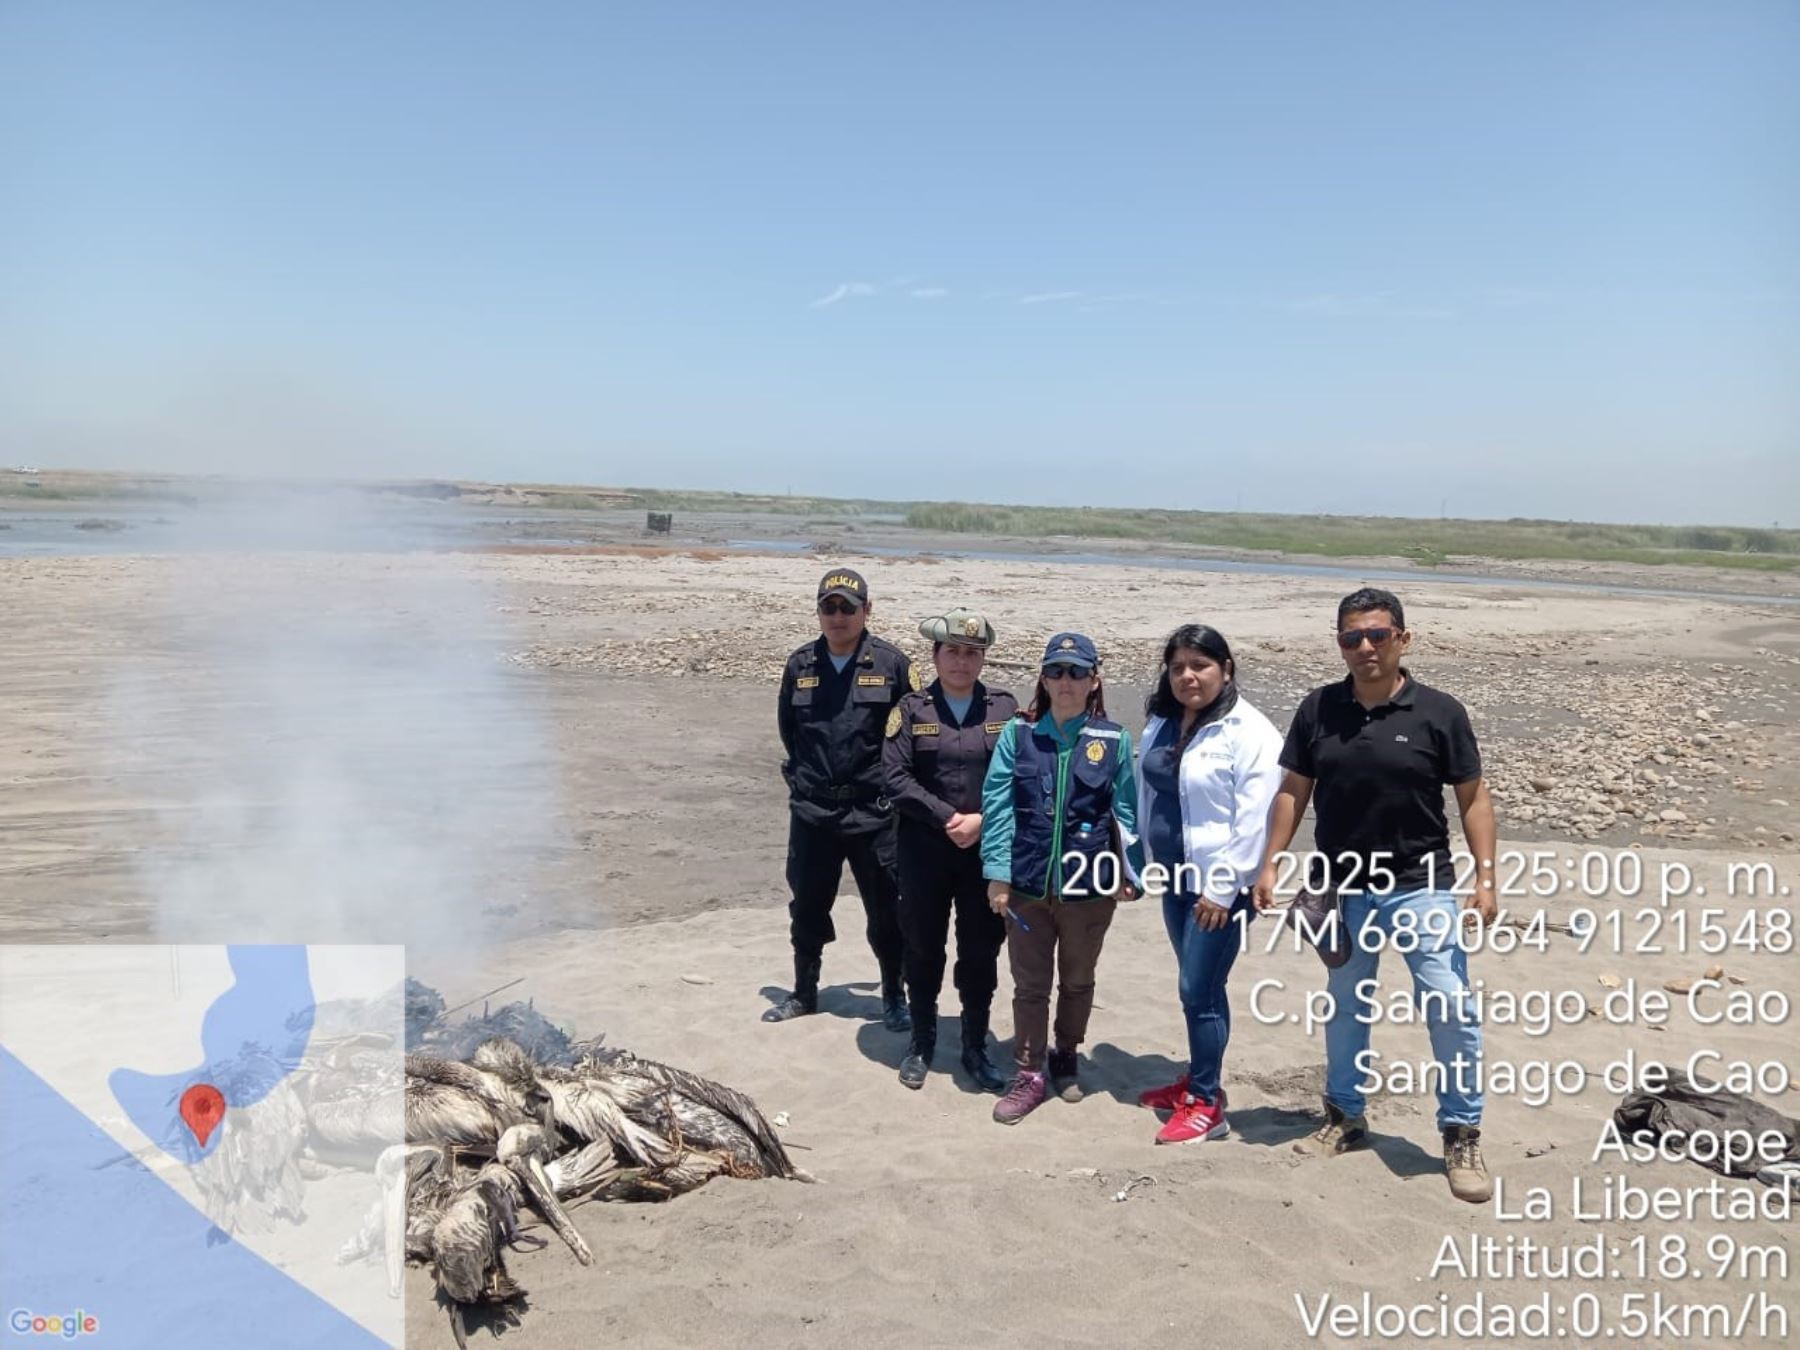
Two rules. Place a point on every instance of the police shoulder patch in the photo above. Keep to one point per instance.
(1095, 752)
(912, 676)
(893, 722)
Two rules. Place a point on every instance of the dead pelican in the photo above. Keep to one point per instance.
(456, 1104)
(699, 1111)
(468, 1242)
(415, 1182)
(524, 1149)
(468, 1239)
(581, 1109)
(251, 1175)
(355, 1101)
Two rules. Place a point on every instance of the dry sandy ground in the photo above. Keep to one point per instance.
(158, 712)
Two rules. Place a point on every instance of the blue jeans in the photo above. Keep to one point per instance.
(1440, 967)
(1206, 956)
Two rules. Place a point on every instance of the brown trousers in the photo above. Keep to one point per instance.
(1063, 945)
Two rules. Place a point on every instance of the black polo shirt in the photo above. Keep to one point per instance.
(1379, 776)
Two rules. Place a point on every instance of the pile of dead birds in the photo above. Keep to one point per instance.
(507, 1112)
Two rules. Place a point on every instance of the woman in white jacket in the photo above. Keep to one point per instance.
(1208, 768)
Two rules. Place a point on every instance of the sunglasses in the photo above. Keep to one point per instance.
(1378, 637)
(837, 607)
(1064, 671)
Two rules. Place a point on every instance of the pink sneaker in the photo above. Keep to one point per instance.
(1026, 1094)
(1165, 1098)
(1194, 1120)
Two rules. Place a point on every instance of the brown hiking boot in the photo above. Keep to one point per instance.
(1065, 1081)
(1339, 1134)
(1468, 1174)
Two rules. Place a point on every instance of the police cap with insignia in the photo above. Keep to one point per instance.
(842, 581)
(964, 627)
(1075, 649)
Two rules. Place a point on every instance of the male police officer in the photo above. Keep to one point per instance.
(836, 693)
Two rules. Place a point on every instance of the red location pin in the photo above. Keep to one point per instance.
(203, 1107)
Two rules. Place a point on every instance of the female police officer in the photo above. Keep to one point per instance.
(936, 755)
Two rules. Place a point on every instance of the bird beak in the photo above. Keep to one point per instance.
(393, 1231)
(538, 1183)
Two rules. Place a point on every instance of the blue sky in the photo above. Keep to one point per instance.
(1510, 259)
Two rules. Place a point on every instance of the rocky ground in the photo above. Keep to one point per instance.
(1587, 736)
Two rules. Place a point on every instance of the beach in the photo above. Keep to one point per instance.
(633, 885)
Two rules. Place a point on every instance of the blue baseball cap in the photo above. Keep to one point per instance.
(1075, 649)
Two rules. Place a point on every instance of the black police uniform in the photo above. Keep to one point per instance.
(934, 766)
(832, 724)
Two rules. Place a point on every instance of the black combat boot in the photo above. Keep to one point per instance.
(805, 998)
(893, 1000)
(974, 1052)
(924, 1045)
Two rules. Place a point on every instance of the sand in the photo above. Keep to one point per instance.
(652, 911)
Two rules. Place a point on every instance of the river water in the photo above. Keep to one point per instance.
(112, 528)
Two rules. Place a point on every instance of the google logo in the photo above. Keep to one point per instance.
(24, 1322)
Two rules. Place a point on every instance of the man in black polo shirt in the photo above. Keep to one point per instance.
(832, 711)
(1374, 753)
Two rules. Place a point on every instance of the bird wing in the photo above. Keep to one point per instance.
(437, 1112)
(727, 1102)
(587, 1110)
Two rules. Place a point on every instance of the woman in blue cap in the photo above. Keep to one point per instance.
(1058, 800)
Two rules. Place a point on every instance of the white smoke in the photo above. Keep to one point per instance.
(340, 752)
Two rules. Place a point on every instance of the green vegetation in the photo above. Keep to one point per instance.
(1431, 542)
(52, 488)
(834, 508)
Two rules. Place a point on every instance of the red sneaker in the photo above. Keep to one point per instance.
(1165, 1098)
(1194, 1120)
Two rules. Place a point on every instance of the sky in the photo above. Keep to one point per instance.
(1513, 259)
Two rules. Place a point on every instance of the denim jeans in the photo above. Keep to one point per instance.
(1439, 966)
(1205, 957)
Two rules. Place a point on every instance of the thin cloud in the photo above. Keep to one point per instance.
(1373, 304)
(1518, 297)
(1049, 297)
(846, 290)
(930, 293)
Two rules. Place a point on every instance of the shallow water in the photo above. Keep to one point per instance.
(162, 528)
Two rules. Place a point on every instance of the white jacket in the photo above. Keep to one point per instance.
(1229, 776)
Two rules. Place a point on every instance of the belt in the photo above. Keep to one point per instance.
(843, 792)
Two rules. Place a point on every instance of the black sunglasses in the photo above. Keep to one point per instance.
(835, 606)
(1379, 637)
(1063, 671)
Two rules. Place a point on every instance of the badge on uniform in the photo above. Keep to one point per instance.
(893, 725)
(871, 679)
(994, 728)
(912, 677)
(1095, 752)
(925, 728)
(807, 682)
